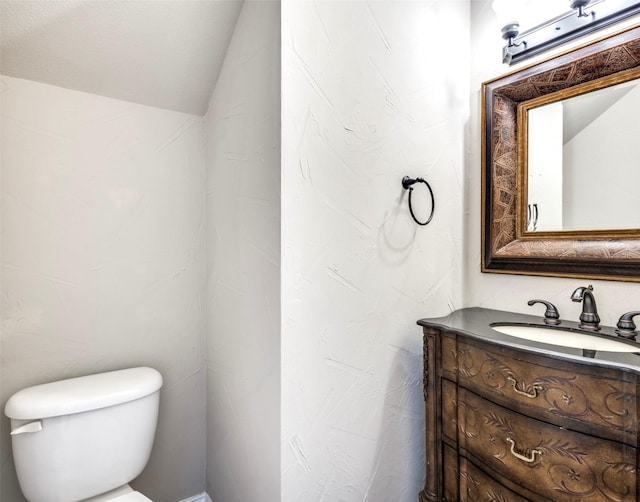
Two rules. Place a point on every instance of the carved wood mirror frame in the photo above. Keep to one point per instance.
(507, 247)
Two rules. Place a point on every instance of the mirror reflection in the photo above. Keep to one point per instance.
(583, 161)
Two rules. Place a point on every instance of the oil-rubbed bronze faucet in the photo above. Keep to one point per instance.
(589, 319)
(551, 315)
(626, 328)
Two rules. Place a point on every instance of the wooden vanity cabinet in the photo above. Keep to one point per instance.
(504, 424)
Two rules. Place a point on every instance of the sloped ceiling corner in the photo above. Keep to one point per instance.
(163, 53)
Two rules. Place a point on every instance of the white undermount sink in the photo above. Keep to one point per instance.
(566, 338)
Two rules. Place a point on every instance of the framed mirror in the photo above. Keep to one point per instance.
(556, 198)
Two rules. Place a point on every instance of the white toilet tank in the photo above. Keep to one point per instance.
(78, 438)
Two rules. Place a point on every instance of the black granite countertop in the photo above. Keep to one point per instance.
(476, 323)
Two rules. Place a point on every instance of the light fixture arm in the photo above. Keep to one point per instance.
(510, 32)
(579, 5)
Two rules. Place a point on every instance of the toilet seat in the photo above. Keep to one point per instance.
(131, 497)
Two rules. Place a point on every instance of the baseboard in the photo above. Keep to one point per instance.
(203, 497)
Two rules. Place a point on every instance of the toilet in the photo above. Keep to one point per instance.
(84, 439)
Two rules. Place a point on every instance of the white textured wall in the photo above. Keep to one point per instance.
(243, 263)
(102, 259)
(511, 292)
(369, 94)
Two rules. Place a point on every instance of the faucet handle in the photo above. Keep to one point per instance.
(551, 315)
(626, 326)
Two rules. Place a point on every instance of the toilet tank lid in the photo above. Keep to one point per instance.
(85, 393)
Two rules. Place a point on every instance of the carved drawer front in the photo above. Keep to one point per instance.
(450, 473)
(567, 394)
(449, 409)
(476, 486)
(558, 464)
(449, 358)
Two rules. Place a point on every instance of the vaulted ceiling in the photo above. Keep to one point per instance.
(163, 53)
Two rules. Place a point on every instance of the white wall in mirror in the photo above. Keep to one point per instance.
(582, 156)
(601, 179)
(545, 179)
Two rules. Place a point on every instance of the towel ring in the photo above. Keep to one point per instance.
(406, 184)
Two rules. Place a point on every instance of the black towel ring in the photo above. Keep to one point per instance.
(406, 184)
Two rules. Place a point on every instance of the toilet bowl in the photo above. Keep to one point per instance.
(84, 439)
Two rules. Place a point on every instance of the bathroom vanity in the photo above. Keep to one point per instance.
(510, 419)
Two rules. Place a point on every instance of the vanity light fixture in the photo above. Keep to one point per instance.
(585, 17)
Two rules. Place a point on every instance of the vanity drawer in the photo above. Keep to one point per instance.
(449, 409)
(554, 390)
(476, 486)
(558, 464)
